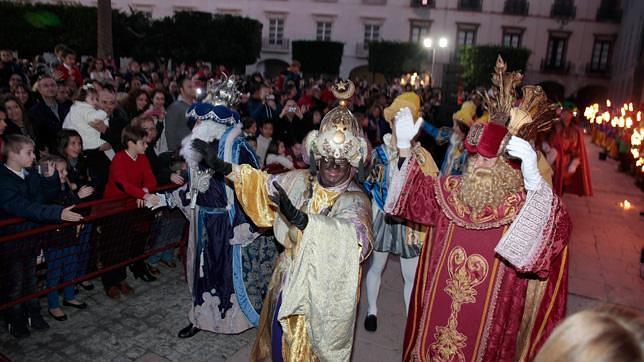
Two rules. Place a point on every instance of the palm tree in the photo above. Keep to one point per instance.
(104, 29)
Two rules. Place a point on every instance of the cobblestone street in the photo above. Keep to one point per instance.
(604, 249)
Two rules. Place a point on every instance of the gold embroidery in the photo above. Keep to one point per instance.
(457, 211)
(465, 274)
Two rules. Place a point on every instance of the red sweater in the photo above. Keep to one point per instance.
(73, 72)
(133, 175)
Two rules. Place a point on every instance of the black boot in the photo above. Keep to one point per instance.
(189, 331)
(371, 323)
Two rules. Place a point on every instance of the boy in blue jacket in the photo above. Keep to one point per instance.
(23, 193)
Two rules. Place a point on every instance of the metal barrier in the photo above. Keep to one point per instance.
(36, 259)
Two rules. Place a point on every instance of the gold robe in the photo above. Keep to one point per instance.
(319, 272)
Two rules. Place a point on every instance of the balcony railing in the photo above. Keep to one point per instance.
(558, 67)
(610, 13)
(374, 2)
(469, 5)
(516, 7)
(563, 9)
(362, 50)
(277, 45)
(598, 69)
(423, 3)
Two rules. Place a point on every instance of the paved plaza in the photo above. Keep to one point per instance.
(604, 250)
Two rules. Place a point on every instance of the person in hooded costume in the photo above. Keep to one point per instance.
(228, 273)
(323, 220)
(491, 283)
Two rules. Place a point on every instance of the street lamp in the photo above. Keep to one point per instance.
(429, 44)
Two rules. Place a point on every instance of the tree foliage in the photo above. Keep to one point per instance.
(318, 57)
(395, 58)
(222, 39)
(478, 62)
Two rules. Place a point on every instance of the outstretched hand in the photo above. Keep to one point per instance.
(211, 158)
(296, 217)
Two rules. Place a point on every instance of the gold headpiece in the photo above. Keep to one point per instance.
(501, 102)
(340, 135)
(533, 115)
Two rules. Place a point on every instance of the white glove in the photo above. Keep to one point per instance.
(520, 148)
(573, 165)
(163, 201)
(405, 127)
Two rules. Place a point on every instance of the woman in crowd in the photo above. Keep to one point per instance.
(24, 95)
(18, 123)
(136, 103)
(157, 111)
(100, 73)
(70, 148)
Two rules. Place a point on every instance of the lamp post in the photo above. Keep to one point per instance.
(429, 44)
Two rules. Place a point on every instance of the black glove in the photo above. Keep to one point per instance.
(296, 217)
(211, 158)
(363, 172)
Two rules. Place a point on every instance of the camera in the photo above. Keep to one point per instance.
(43, 168)
(292, 109)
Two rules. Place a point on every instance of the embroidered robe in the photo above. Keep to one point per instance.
(469, 303)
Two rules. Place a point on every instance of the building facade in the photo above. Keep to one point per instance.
(627, 76)
(572, 41)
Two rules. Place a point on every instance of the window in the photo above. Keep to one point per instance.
(178, 9)
(469, 5)
(556, 52)
(601, 55)
(147, 10)
(512, 37)
(423, 3)
(371, 33)
(275, 31)
(323, 30)
(466, 35)
(418, 30)
(516, 7)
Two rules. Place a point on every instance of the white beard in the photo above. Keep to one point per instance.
(206, 131)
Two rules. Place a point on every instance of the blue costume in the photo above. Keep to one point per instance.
(228, 269)
(456, 155)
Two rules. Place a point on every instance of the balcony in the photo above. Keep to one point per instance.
(609, 13)
(362, 50)
(555, 67)
(600, 70)
(279, 45)
(374, 2)
(423, 3)
(516, 7)
(563, 9)
(469, 5)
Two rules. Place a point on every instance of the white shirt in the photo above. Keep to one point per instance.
(20, 174)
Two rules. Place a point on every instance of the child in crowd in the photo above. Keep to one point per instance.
(249, 127)
(130, 174)
(276, 159)
(62, 247)
(70, 147)
(84, 112)
(252, 141)
(23, 193)
(264, 140)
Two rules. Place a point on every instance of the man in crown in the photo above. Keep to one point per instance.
(492, 277)
(228, 273)
(323, 220)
